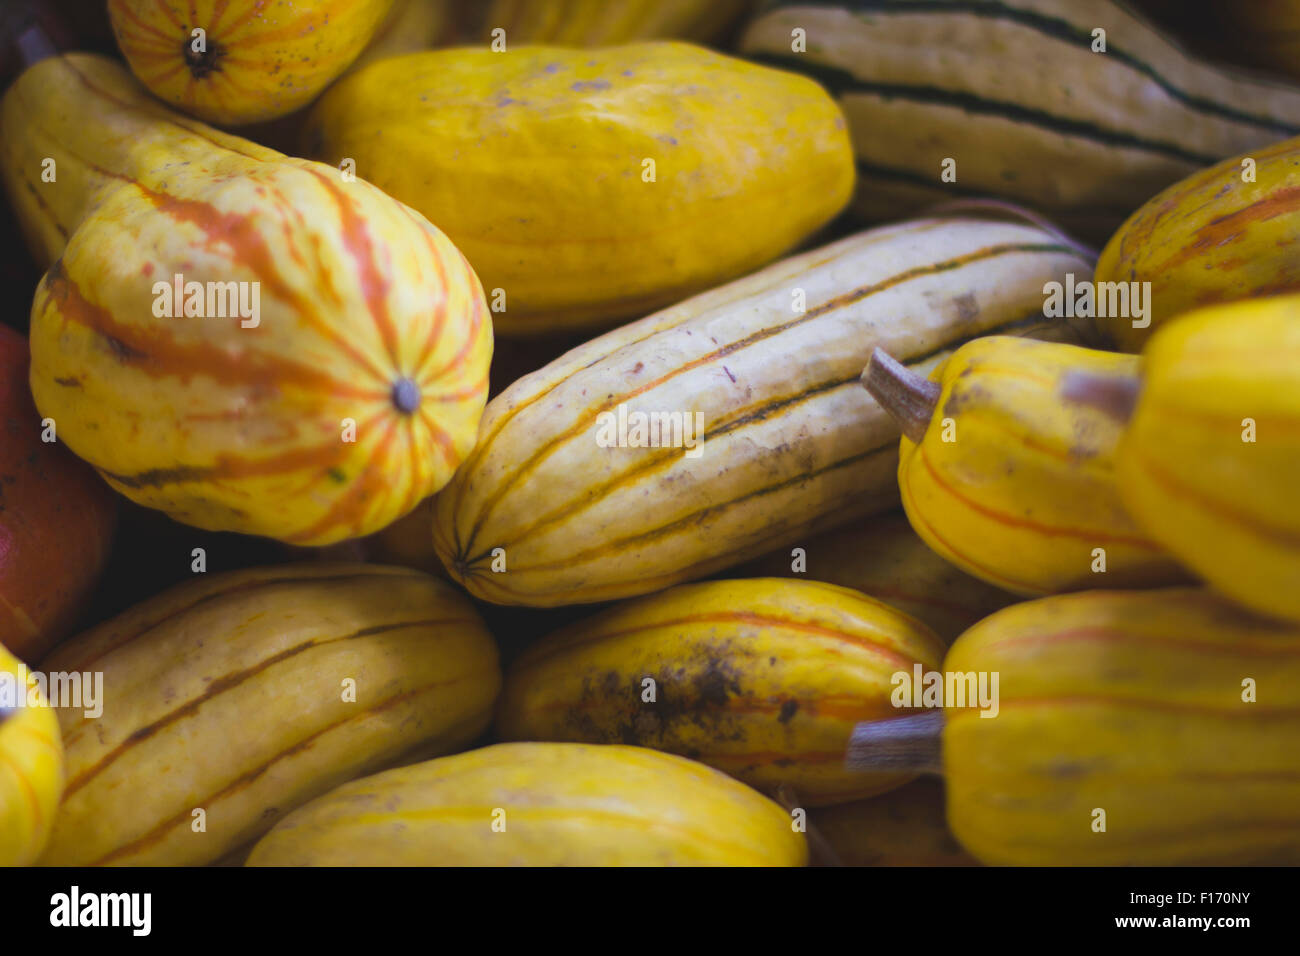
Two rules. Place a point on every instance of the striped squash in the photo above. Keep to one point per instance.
(923, 81)
(31, 764)
(539, 804)
(883, 557)
(1216, 236)
(246, 694)
(587, 23)
(768, 366)
(1209, 463)
(255, 59)
(1012, 481)
(349, 394)
(905, 827)
(1136, 704)
(762, 678)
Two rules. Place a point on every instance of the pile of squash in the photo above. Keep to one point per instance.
(556, 432)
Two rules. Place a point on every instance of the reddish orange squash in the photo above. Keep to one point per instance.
(56, 519)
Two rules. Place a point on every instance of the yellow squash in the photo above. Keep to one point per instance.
(884, 558)
(1009, 480)
(1227, 232)
(322, 368)
(590, 186)
(235, 698)
(762, 678)
(905, 827)
(31, 764)
(539, 805)
(1209, 464)
(1171, 718)
(582, 487)
(586, 23)
(242, 61)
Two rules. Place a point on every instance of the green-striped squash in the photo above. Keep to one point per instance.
(766, 368)
(245, 694)
(1013, 92)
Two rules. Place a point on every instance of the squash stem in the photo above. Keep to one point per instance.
(1116, 397)
(909, 398)
(899, 745)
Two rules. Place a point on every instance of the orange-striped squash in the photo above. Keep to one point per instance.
(1010, 480)
(1209, 464)
(1172, 712)
(350, 383)
(234, 698)
(1222, 234)
(31, 764)
(242, 61)
(762, 678)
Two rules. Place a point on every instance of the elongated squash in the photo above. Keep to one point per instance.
(762, 678)
(905, 827)
(235, 698)
(243, 340)
(958, 89)
(539, 805)
(1225, 233)
(884, 558)
(242, 61)
(1153, 728)
(587, 23)
(1008, 479)
(590, 186)
(765, 370)
(1209, 464)
(31, 764)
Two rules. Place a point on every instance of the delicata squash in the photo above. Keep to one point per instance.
(246, 341)
(1209, 463)
(1008, 479)
(1153, 728)
(566, 499)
